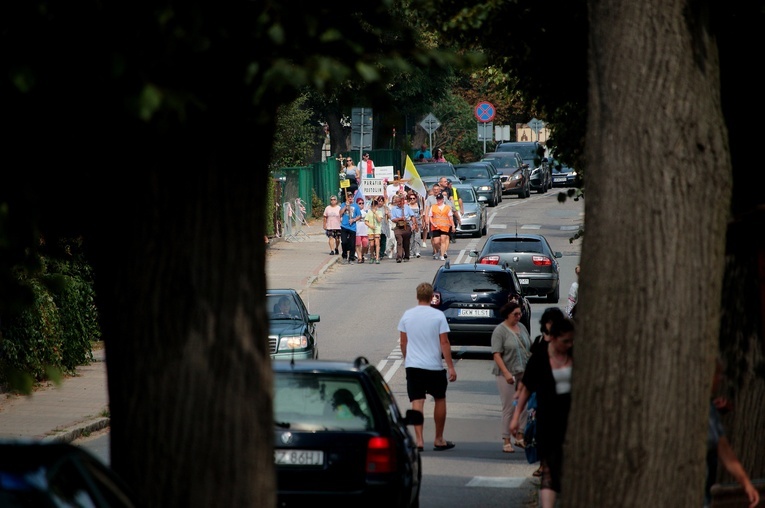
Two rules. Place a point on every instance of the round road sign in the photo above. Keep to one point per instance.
(485, 112)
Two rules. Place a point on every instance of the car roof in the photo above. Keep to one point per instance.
(360, 364)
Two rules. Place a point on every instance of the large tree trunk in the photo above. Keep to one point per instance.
(180, 270)
(657, 200)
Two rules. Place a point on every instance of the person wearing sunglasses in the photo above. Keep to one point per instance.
(511, 349)
(417, 237)
(367, 166)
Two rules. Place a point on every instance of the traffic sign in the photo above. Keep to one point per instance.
(536, 125)
(430, 123)
(485, 130)
(485, 112)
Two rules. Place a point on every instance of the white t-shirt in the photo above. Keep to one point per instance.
(361, 226)
(423, 326)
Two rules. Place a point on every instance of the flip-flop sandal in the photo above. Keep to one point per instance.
(448, 446)
(508, 448)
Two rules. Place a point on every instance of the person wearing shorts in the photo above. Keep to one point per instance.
(332, 225)
(373, 221)
(424, 336)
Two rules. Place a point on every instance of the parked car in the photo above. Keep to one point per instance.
(340, 438)
(292, 329)
(431, 172)
(37, 473)
(532, 258)
(514, 173)
(474, 217)
(563, 176)
(533, 154)
(471, 295)
(484, 178)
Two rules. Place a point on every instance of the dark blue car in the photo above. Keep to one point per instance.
(471, 295)
(292, 329)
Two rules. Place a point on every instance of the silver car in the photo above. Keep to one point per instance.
(474, 217)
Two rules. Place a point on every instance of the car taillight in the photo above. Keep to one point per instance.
(541, 260)
(381, 455)
(436, 300)
(490, 260)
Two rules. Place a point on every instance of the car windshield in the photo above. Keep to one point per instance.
(526, 151)
(281, 307)
(466, 195)
(472, 173)
(503, 162)
(320, 402)
(514, 245)
(469, 282)
(430, 170)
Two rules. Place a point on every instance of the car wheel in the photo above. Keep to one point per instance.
(477, 234)
(554, 296)
(483, 231)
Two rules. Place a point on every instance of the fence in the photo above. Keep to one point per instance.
(299, 184)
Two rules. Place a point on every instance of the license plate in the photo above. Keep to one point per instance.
(523, 281)
(563, 179)
(299, 457)
(475, 312)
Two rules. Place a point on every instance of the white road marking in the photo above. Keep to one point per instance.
(501, 482)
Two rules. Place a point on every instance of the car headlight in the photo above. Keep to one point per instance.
(469, 215)
(293, 342)
(573, 173)
(484, 188)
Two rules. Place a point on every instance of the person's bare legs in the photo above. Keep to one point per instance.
(435, 242)
(439, 415)
(419, 405)
(547, 498)
(444, 244)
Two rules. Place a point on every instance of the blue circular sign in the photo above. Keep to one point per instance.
(485, 112)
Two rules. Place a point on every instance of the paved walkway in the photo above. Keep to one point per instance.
(80, 405)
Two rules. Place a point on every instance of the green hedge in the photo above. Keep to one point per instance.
(55, 333)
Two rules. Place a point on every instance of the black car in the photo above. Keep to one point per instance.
(292, 329)
(533, 154)
(471, 295)
(38, 473)
(340, 438)
(484, 178)
(532, 258)
(563, 176)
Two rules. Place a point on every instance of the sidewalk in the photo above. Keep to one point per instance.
(80, 405)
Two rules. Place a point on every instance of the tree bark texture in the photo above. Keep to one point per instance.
(657, 201)
(184, 322)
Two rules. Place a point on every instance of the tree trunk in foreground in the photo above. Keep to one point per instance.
(657, 200)
(181, 280)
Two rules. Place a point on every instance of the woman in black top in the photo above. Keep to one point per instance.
(548, 373)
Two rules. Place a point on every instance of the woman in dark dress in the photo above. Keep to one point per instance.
(548, 373)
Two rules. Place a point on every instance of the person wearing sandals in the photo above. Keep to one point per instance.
(548, 372)
(373, 220)
(362, 232)
(510, 347)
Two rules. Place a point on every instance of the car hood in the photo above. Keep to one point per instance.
(478, 181)
(285, 327)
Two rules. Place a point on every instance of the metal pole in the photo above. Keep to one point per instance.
(484, 137)
(361, 138)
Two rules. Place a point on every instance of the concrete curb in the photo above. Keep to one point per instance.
(76, 432)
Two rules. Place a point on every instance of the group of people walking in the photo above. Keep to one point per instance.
(398, 223)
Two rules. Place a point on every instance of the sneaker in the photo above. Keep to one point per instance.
(351, 262)
(377, 261)
(424, 244)
(435, 256)
(417, 255)
(442, 258)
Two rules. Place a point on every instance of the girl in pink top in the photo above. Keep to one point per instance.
(332, 224)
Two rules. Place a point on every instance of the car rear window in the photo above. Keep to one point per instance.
(470, 282)
(320, 402)
(435, 170)
(515, 245)
(503, 162)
